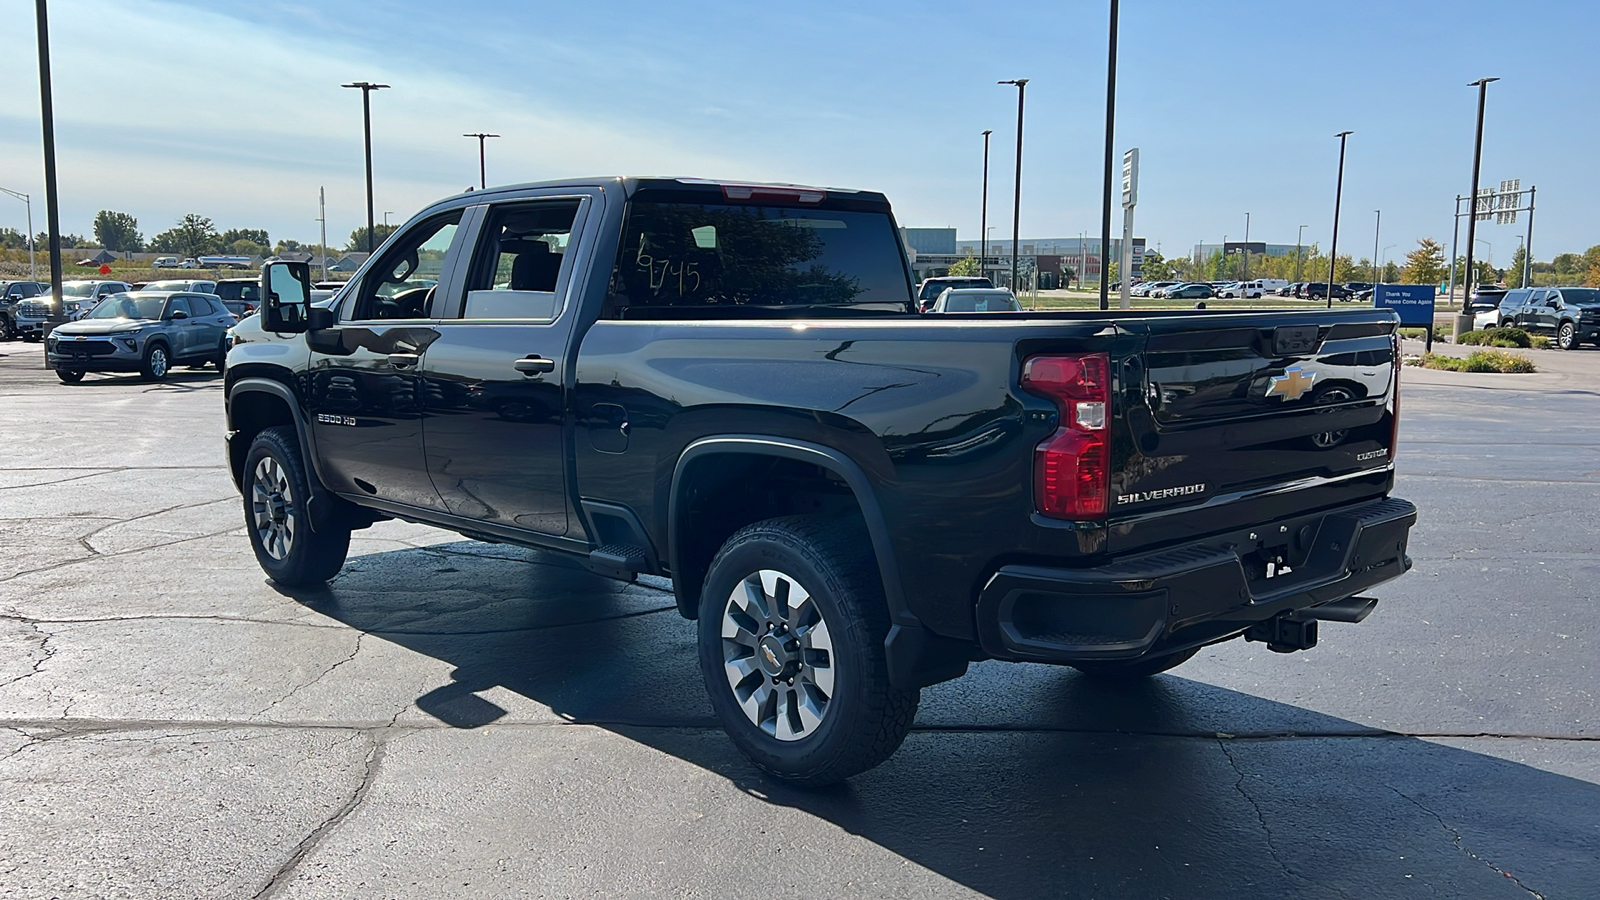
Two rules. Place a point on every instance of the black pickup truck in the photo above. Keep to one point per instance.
(730, 385)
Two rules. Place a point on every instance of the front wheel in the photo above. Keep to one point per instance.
(8, 330)
(69, 376)
(1567, 336)
(157, 362)
(1114, 670)
(275, 495)
(791, 633)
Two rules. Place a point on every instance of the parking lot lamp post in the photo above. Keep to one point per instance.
(1298, 257)
(1016, 199)
(983, 215)
(47, 117)
(367, 88)
(1246, 256)
(32, 273)
(1376, 225)
(1105, 188)
(483, 178)
(1464, 317)
(1338, 195)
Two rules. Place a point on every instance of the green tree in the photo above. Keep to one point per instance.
(965, 266)
(68, 241)
(256, 236)
(1568, 264)
(117, 231)
(12, 239)
(1514, 274)
(358, 238)
(244, 247)
(1155, 267)
(1424, 265)
(287, 246)
(194, 235)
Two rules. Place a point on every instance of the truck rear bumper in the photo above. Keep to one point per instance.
(1169, 600)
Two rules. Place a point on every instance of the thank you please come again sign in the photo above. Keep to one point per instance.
(1414, 302)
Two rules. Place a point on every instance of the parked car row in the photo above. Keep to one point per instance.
(1568, 315)
(25, 305)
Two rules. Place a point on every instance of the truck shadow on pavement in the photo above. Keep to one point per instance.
(1022, 781)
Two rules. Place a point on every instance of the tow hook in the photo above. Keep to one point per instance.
(1284, 633)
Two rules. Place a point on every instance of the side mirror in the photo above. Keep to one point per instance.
(286, 289)
(178, 314)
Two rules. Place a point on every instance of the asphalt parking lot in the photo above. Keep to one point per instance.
(461, 719)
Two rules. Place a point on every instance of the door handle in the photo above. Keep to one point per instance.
(534, 365)
(403, 360)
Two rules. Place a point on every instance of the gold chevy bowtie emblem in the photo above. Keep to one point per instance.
(1292, 384)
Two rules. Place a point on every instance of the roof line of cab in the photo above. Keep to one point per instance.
(631, 184)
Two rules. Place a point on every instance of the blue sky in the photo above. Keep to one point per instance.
(234, 111)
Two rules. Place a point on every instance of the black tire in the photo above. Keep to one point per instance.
(1134, 669)
(221, 359)
(69, 376)
(1567, 336)
(275, 516)
(863, 719)
(8, 330)
(157, 362)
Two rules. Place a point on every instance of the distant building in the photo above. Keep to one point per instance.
(931, 240)
(1204, 251)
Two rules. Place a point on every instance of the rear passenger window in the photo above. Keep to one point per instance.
(726, 260)
(519, 262)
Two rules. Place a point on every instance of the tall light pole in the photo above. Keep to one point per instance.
(1246, 255)
(1298, 257)
(1338, 196)
(1376, 225)
(33, 274)
(1105, 195)
(983, 215)
(47, 117)
(367, 88)
(1016, 201)
(386, 214)
(1464, 317)
(322, 219)
(483, 178)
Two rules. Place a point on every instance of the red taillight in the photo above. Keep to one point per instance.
(1072, 468)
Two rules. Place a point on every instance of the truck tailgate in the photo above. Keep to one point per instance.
(1223, 411)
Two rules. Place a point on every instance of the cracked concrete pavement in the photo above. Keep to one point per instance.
(460, 719)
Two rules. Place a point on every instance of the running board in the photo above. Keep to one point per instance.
(620, 561)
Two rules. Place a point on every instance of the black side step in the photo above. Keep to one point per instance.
(620, 561)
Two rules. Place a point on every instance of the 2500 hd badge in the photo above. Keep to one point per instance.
(1160, 494)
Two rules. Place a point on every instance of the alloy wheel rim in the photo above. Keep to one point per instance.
(1566, 335)
(777, 654)
(158, 362)
(272, 508)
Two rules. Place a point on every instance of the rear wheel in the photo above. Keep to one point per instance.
(1134, 669)
(69, 376)
(275, 514)
(8, 329)
(221, 359)
(157, 362)
(792, 625)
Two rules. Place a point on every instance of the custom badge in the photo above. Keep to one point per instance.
(1292, 384)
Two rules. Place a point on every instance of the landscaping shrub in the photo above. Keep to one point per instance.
(1496, 361)
(1498, 337)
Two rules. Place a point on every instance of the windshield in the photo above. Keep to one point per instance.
(77, 289)
(980, 301)
(1581, 296)
(698, 258)
(125, 306)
